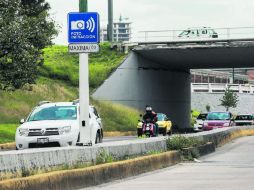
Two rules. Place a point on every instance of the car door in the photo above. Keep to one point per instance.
(98, 119)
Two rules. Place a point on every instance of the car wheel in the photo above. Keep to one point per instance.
(78, 138)
(101, 137)
(139, 133)
(97, 139)
(164, 132)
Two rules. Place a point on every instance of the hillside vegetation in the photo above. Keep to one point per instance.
(59, 64)
(58, 81)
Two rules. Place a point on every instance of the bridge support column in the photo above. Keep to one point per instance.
(139, 82)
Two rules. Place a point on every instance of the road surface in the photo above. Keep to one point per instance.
(229, 168)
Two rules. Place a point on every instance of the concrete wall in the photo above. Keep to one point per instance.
(139, 82)
(200, 100)
(40, 159)
(26, 161)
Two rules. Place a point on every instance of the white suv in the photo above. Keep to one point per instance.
(55, 125)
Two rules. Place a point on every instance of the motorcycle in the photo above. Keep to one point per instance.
(149, 129)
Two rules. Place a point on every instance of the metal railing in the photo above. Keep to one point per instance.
(220, 88)
(173, 35)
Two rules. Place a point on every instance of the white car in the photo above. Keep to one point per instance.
(199, 122)
(204, 32)
(244, 119)
(55, 125)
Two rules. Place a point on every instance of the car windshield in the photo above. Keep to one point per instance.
(244, 117)
(202, 116)
(218, 116)
(160, 117)
(54, 113)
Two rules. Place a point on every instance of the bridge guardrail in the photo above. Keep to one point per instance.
(172, 35)
(220, 88)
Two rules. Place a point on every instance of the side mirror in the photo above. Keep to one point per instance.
(22, 121)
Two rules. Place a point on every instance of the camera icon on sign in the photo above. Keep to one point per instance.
(78, 25)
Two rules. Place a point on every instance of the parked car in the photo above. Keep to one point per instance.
(198, 126)
(244, 119)
(165, 125)
(55, 124)
(218, 120)
(204, 32)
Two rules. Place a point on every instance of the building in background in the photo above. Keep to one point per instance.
(121, 31)
(220, 76)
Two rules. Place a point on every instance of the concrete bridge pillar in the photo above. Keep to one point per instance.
(139, 82)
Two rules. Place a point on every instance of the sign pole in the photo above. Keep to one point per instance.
(84, 38)
(84, 126)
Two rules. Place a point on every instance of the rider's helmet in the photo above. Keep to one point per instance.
(149, 109)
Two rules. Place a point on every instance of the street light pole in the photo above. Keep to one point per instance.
(110, 20)
(84, 125)
(83, 6)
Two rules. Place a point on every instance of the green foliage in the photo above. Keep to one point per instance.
(16, 105)
(180, 142)
(208, 108)
(194, 115)
(103, 157)
(23, 34)
(230, 99)
(59, 64)
(7, 133)
(117, 117)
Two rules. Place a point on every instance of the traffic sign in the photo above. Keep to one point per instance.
(83, 28)
(84, 48)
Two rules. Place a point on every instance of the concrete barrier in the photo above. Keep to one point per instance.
(81, 178)
(24, 161)
(224, 135)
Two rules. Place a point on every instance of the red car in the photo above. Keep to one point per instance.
(218, 120)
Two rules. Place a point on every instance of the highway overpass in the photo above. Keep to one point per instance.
(158, 73)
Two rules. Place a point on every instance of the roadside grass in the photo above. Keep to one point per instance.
(114, 117)
(59, 64)
(7, 133)
(117, 117)
(180, 142)
(16, 105)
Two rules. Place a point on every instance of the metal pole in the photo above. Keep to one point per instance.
(110, 20)
(233, 76)
(84, 127)
(83, 6)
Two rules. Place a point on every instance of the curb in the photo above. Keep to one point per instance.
(96, 175)
(8, 146)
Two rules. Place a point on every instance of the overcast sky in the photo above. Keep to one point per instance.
(162, 14)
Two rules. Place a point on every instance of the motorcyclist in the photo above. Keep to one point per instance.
(151, 116)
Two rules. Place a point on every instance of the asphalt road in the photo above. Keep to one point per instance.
(231, 167)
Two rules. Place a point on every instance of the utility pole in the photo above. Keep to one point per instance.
(233, 76)
(84, 124)
(110, 20)
(83, 6)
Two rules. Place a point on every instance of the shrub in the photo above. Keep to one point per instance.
(180, 142)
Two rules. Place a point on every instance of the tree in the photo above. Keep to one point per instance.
(208, 108)
(230, 99)
(24, 33)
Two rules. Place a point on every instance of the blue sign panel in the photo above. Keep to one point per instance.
(83, 28)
